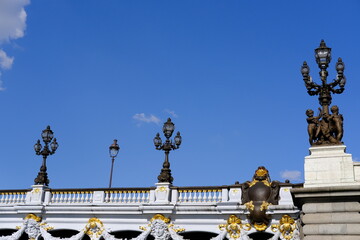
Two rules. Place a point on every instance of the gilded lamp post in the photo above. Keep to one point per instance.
(167, 146)
(326, 128)
(47, 135)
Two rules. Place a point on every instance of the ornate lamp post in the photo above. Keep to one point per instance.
(47, 135)
(323, 58)
(167, 146)
(329, 129)
(113, 150)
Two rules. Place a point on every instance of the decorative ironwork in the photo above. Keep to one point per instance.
(167, 146)
(325, 128)
(47, 135)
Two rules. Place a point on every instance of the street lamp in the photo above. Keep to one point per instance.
(323, 58)
(113, 151)
(47, 135)
(167, 146)
(326, 128)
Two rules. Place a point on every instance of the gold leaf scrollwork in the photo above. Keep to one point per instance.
(33, 216)
(264, 205)
(250, 205)
(94, 227)
(234, 226)
(286, 226)
(261, 172)
(160, 217)
(260, 227)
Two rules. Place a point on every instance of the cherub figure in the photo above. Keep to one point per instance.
(337, 123)
(313, 126)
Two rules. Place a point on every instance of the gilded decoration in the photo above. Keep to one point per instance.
(264, 205)
(249, 205)
(160, 217)
(161, 229)
(287, 227)
(257, 195)
(94, 228)
(233, 227)
(32, 225)
(162, 189)
(33, 216)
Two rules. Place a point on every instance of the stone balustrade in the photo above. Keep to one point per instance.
(207, 195)
(13, 196)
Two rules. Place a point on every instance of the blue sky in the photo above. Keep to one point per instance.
(226, 72)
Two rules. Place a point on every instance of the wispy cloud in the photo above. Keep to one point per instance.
(171, 112)
(12, 26)
(291, 175)
(1, 84)
(142, 118)
(5, 61)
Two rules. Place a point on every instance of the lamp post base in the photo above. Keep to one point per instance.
(165, 176)
(42, 179)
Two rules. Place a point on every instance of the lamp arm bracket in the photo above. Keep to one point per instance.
(337, 91)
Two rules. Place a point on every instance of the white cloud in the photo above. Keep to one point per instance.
(12, 19)
(291, 175)
(5, 61)
(141, 117)
(12, 26)
(172, 113)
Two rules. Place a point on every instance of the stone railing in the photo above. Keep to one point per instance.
(127, 196)
(66, 196)
(199, 194)
(164, 194)
(13, 196)
(106, 196)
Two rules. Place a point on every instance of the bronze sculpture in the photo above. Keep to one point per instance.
(313, 126)
(328, 130)
(257, 195)
(325, 129)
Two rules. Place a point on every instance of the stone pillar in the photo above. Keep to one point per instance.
(330, 198)
(329, 213)
(162, 193)
(234, 194)
(37, 195)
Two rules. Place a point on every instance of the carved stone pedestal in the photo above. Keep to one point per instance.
(37, 195)
(162, 193)
(330, 166)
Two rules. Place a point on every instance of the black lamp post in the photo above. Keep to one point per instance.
(47, 135)
(323, 58)
(113, 150)
(167, 146)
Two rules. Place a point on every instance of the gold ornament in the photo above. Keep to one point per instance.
(160, 217)
(260, 227)
(264, 205)
(94, 227)
(286, 226)
(33, 216)
(250, 205)
(234, 226)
